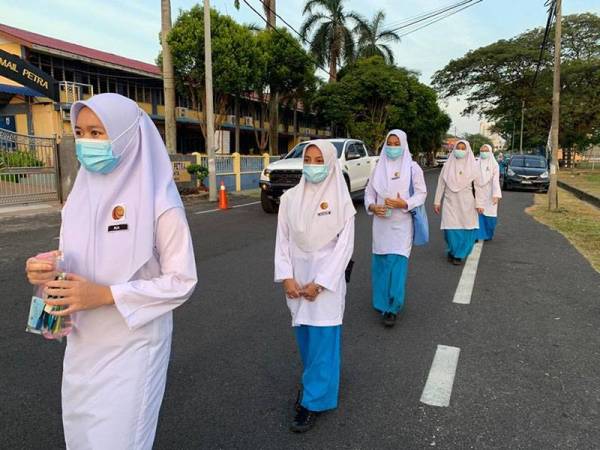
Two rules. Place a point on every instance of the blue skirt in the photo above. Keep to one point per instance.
(487, 226)
(320, 350)
(460, 242)
(388, 279)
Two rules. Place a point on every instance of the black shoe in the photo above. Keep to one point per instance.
(304, 420)
(450, 258)
(457, 261)
(389, 319)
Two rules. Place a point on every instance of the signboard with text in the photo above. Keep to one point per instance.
(19, 70)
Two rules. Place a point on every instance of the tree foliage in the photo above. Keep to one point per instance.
(333, 40)
(372, 97)
(234, 55)
(495, 79)
(373, 39)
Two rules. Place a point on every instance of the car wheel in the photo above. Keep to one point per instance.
(268, 205)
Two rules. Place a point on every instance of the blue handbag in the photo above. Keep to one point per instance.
(419, 218)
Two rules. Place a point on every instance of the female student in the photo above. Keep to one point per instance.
(389, 200)
(315, 240)
(489, 183)
(458, 189)
(126, 240)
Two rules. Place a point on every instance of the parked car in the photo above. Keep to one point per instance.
(279, 176)
(440, 160)
(526, 172)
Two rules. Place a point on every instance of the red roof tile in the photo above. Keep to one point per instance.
(29, 38)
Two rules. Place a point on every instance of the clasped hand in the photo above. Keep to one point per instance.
(293, 290)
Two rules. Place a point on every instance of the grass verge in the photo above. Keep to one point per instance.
(575, 219)
(585, 180)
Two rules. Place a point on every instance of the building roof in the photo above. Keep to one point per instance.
(57, 46)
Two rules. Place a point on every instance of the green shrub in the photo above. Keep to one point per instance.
(200, 171)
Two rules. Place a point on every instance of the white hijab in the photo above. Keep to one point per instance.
(391, 177)
(487, 166)
(142, 184)
(317, 213)
(460, 173)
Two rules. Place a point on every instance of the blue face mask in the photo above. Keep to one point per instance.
(96, 155)
(394, 151)
(484, 155)
(315, 173)
(460, 154)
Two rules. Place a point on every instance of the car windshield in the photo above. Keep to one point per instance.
(296, 152)
(529, 162)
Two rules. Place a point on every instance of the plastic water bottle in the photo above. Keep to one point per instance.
(56, 327)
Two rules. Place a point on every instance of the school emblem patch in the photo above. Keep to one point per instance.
(324, 205)
(397, 174)
(118, 212)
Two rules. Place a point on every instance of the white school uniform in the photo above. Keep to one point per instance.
(324, 267)
(116, 361)
(489, 185)
(455, 187)
(394, 235)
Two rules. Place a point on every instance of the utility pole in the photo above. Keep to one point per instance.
(208, 114)
(168, 78)
(512, 138)
(522, 117)
(269, 7)
(553, 189)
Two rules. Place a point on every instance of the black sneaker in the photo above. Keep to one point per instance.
(389, 319)
(457, 261)
(304, 420)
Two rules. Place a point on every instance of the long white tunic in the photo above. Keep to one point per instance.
(458, 208)
(116, 359)
(491, 190)
(324, 267)
(394, 235)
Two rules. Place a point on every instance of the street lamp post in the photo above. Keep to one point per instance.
(209, 114)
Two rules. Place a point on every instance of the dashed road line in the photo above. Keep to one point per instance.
(464, 290)
(440, 380)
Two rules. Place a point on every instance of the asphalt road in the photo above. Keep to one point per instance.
(528, 374)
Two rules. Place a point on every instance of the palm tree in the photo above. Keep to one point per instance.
(332, 42)
(372, 39)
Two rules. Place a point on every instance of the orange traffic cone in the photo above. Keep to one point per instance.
(223, 203)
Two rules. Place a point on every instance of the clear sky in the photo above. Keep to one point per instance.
(130, 28)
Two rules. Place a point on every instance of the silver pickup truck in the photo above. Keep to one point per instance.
(357, 164)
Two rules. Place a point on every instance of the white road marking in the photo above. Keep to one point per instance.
(438, 387)
(467, 278)
(217, 209)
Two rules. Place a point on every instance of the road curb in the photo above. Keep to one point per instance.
(582, 195)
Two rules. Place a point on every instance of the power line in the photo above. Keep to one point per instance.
(418, 16)
(551, 10)
(451, 13)
(435, 14)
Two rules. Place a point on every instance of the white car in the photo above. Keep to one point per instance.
(357, 165)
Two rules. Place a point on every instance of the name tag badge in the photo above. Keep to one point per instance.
(324, 213)
(120, 227)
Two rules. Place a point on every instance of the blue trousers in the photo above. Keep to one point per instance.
(320, 350)
(388, 279)
(487, 226)
(460, 242)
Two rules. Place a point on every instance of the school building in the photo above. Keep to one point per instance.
(82, 72)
